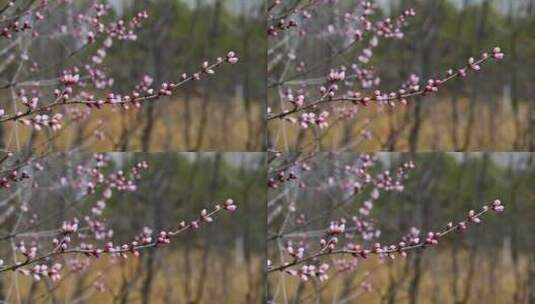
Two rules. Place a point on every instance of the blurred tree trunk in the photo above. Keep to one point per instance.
(224, 271)
(456, 91)
(299, 293)
(152, 257)
(396, 282)
(203, 268)
(154, 59)
(246, 224)
(480, 36)
(127, 282)
(421, 198)
(456, 248)
(246, 78)
(207, 94)
(52, 299)
(427, 185)
(347, 288)
(3, 144)
(187, 263)
(149, 126)
(187, 199)
(156, 52)
(472, 259)
(170, 285)
(416, 260)
(396, 130)
(513, 71)
(427, 42)
(123, 141)
(128, 129)
(515, 246)
(531, 281)
(190, 89)
(29, 297)
(494, 259)
(532, 128)
(300, 139)
(79, 135)
(79, 289)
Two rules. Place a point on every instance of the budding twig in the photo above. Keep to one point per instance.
(432, 238)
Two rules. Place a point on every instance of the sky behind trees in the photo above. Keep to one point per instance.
(503, 5)
(235, 5)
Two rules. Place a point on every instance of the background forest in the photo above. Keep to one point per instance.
(223, 260)
(223, 112)
(491, 110)
(491, 262)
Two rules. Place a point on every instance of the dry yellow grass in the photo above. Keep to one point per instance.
(493, 129)
(436, 282)
(226, 129)
(226, 280)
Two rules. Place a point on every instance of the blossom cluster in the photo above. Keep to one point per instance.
(51, 104)
(87, 236)
(413, 240)
(63, 245)
(15, 170)
(307, 253)
(308, 99)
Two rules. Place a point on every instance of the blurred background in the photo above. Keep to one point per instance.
(223, 260)
(493, 110)
(223, 112)
(493, 262)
